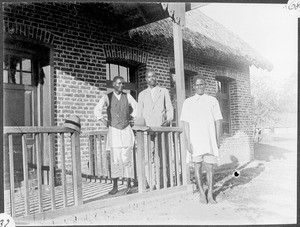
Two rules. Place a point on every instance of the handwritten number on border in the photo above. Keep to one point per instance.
(2, 222)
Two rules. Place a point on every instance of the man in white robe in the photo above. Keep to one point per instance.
(201, 117)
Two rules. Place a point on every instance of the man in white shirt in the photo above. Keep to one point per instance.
(120, 138)
(201, 117)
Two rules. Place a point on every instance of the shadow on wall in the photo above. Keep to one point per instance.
(237, 146)
(268, 153)
(78, 96)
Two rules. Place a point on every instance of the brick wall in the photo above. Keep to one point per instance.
(79, 57)
(240, 143)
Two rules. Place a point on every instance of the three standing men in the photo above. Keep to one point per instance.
(120, 135)
(201, 117)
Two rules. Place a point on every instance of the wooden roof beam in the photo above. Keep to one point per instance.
(142, 13)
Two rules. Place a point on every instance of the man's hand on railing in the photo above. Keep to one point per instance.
(166, 123)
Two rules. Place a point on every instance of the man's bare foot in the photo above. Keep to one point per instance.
(211, 200)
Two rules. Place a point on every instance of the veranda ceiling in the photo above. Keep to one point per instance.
(202, 36)
(125, 16)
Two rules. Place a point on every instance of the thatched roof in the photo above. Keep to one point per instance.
(205, 38)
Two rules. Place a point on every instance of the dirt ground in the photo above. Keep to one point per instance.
(265, 192)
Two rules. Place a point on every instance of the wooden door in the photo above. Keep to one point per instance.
(20, 104)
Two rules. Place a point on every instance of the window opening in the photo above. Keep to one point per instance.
(17, 70)
(128, 72)
(113, 70)
(222, 88)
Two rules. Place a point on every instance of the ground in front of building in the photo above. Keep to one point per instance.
(264, 192)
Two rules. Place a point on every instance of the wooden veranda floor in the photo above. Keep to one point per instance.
(92, 190)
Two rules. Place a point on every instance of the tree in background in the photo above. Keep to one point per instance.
(271, 103)
(289, 94)
(265, 102)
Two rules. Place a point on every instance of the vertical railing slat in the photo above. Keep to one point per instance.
(11, 176)
(25, 173)
(171, 158)
(51, 172)
(76, 168)
(95, 155)
(91, 166)
(100, 155)
(63, 171)
(149, 151)
(164, 159)
(105, 156)
(39, 170)
(141, 161)
(157, 162)
(134, 164)
(176, 143)
(183, 160)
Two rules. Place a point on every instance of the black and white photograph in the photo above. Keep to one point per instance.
(149, 113)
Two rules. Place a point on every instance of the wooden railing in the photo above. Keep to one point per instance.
(98, 155)
(164, 142)
(169, 161)
(47, 135)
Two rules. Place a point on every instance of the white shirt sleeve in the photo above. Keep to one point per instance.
(133, 104)
(184, 112)
(101, 105)
(216, 110)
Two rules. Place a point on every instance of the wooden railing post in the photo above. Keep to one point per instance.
(91, 152)
(183, 160)
(100, 171)
(25, 174)
(106, 170)
(11, 175)
(76, 164)
(63, 166)
(177, 150)
(38, 150)
(157, 161)
(164, 160)
(52, 174)
(170, 143)
(141, 161)
(150, 167)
